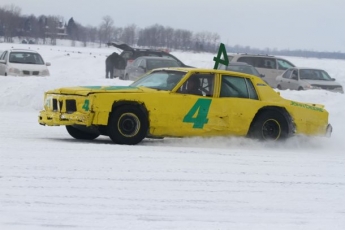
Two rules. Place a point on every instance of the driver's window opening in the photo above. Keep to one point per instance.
(198, 84)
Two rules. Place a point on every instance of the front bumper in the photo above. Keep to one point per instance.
(57, 118)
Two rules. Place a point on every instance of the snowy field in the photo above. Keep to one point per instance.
(48, 180)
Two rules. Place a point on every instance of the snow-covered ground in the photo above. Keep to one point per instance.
(49, 180)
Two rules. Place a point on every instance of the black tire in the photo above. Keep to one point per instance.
(80, 134)
(126, 77)
(127, 125)
(5, 74)
(270, 125)
(279, 87)
(300, 88)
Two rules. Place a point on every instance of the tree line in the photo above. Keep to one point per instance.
(14, 24)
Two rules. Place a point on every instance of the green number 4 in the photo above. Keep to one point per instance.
(86, 105)
(198, 113)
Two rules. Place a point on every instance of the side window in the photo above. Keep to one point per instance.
(284, 65)
(249, 60)
(266, 63)
(198, 84)
(294, 74)
(251, 90)
(287, 74)
(143, 63)
(3, 56)
(234, 87)
(136, 62)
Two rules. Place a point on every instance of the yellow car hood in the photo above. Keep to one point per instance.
(86, 90)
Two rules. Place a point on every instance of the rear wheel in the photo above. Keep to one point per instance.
(300, 88)
(127, 125)
(270, 125)
(81, 134)
(279, 87)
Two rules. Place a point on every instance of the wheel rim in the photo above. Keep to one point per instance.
(271, 130)
(128, 124)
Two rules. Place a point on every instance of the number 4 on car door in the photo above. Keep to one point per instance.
(198, 113)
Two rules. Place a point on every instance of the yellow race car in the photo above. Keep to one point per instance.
(182, 102)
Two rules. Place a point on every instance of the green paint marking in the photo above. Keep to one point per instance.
(86, 105)
(200, 111)
(293, 103)
(218, 59)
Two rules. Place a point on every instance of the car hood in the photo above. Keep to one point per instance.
(86, 90)
(122, 46)
(320, 82)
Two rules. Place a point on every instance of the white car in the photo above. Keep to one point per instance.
(22, 62)
(299, 78)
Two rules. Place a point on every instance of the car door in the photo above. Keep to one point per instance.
(236, 105)
(294, 80)
(131, 69)
(285, 79)
(137, 69)
(3, 63)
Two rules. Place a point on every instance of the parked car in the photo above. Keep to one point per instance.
(182, 102)
(308, 78)
(22, 62)
(270, 66)
(142, 65)
(130, 54)
(241, 67)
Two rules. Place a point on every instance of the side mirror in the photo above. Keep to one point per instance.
(333, 79)
(262, 75)
(48, 64)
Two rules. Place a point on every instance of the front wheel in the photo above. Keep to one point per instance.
(127, 125)
(270, 125)
(81, 134)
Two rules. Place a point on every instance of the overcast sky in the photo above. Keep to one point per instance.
(317, 25)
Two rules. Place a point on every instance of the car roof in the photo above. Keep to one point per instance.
(201, 70)
(251, 55)
(22, 50)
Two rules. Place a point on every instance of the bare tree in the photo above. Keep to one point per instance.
(106, 29)
(10, 18)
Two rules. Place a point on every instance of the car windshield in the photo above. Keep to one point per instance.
(26, 58)
(314, 74)
(159, 63)
(161, 80)
(243, 69)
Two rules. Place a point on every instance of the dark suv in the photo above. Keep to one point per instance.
(129, 53)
